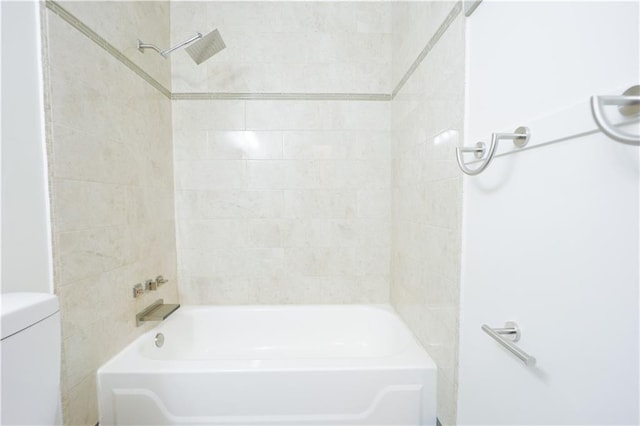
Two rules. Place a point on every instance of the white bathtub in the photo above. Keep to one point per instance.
(273, 365)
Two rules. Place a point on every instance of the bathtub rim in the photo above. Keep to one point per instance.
(129, 360)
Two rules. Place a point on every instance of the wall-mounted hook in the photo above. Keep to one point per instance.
(520, 138)
(628, 105)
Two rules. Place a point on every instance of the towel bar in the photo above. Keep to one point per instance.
(510, 329)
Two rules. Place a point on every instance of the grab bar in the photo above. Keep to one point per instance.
(628, 105)
(510, 329)
(520, 138)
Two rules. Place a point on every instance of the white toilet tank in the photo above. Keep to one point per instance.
(30, 348)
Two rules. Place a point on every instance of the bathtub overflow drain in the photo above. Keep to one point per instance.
(159, 340)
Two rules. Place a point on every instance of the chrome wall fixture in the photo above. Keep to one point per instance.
(149, 285)
(511, 330)
(520, 138)
(141, 46)
(207, 46)
(628, 105)
(157, 311)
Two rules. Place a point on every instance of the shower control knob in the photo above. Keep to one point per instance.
(161, 280)
(138, 290)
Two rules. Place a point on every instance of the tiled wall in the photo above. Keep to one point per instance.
(284, 46)
(282, 201)
(277, 201)
(121, 23)
(414, 23)
(427, 188)
(110, 157)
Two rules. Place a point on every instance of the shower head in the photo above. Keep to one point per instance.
(203, 49)
(206, 47)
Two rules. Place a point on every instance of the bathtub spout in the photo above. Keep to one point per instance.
(157, 311)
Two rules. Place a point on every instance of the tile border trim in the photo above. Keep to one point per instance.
(453, 14)
(53, 6)
(282, 96)
(104, 44)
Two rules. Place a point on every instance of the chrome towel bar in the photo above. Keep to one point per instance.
(628, 105)
(512, 330)
(520, 138)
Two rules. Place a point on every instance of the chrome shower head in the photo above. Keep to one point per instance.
(200, 51)
(206, 47)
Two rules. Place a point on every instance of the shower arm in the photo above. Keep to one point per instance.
(141, 46)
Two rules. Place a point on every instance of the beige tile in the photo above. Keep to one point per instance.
(318, 204)
(80, 407)
(206, 175)
(113, 207)
(305, 232)
(86, 253)
(245, 145)
(322, 261)
(209, 115)
(427, 189)
(121, 22)
(374, 203)
(196, 290)
(228, 204)
(190, 144)
(149, 204)
(265, 233)
(212, 234)
(283, 115)
(359, 233)
(335, 47)
(359, 115)
(319, 145)
(80, 205)
(266, 174)
(113, 161)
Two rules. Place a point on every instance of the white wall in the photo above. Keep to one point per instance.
(26, 247)
(550, 235)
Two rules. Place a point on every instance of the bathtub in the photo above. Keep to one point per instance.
(272, 365)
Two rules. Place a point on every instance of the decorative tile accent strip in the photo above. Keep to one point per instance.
(441, 30)
(108, 47)
(283, 96)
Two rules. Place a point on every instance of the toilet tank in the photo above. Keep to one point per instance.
(30, 349)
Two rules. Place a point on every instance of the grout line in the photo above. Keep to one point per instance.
(113, 51)
(104, 44)
(430, 45)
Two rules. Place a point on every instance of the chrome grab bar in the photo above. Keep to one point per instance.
(512, 330)
(520, 138)
(628, 105)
